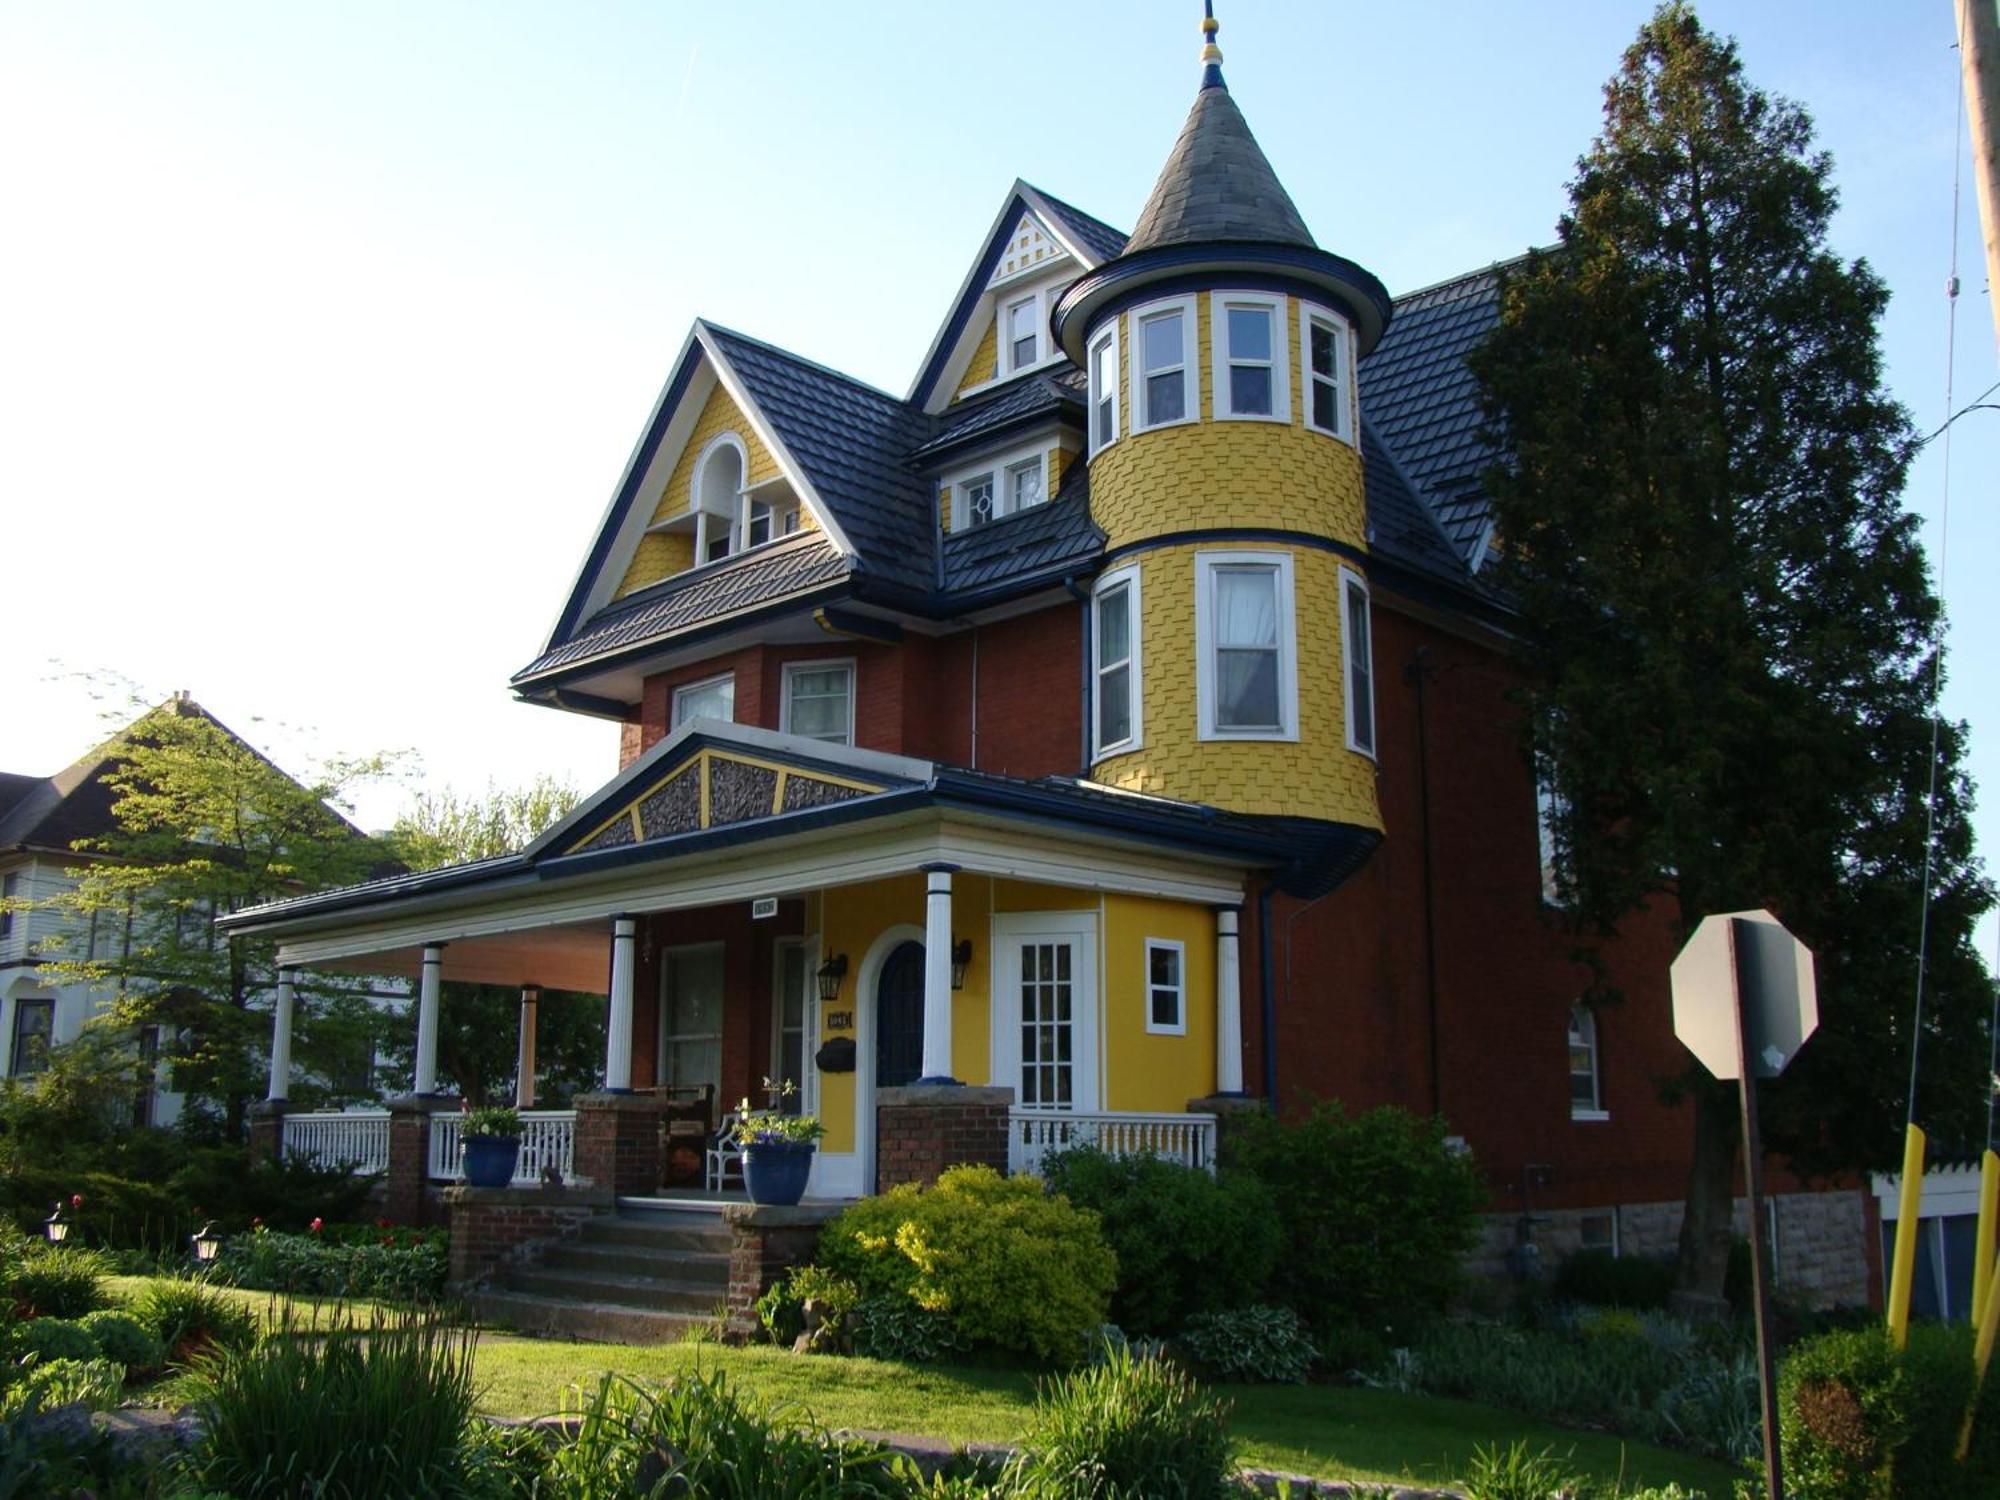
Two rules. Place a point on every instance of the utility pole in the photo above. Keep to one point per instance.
(1979, 65)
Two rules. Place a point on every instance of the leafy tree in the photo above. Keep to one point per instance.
(1729, 625)
(202, 824)
(479, 1024)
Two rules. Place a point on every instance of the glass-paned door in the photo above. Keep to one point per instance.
(1048, 1025)
(788, 1026)
(1045, 1012)
(691, 1016)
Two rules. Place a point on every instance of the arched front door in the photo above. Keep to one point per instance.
(899, 1017)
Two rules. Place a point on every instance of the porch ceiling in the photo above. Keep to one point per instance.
(569, 957)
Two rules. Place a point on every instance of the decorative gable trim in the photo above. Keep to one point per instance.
(714, 788)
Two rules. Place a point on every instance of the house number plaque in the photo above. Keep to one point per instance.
(839, 1020)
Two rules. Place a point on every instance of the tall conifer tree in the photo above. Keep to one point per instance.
(1729, 624)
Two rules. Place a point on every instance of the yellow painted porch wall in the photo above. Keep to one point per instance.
(1144, 1070)
(661, 554)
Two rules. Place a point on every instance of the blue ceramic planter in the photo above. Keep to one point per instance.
(776, 1172)
(490, 1159)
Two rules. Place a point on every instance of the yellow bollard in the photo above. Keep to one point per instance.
(1982, 1356)
(1904, 1268)
(1983, 1246)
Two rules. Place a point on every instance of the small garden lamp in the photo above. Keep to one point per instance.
(56, 1227)
(830, 974)
(961, 960)
(207, 1244)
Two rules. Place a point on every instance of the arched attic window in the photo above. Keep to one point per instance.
(717, 498)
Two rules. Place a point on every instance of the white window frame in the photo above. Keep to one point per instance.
(999, 466)
(675, 718)
(1034, 301)
(1352, 583)
(1039, 463)
(665, 1038)
(1180, 987)
(1127, 577)
(1107, 341)
(1343, 359)
(1610, 1216)
(1009, 930)
(1205, 567)
(706, 520)
(816, 664)
(1595, 1110)
(1221, 357)
(808, 1096)
(1190, 366)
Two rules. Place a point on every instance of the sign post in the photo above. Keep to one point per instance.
(1744, 1002)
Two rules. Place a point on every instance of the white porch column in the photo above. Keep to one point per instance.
(618, 1044)
(937, 975)
(281, 1035)
(524, 1068)
(427, 1018)
(1228, 1004)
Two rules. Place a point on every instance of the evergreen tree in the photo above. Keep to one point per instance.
(1728, 621)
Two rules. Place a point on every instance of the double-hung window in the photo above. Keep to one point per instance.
(1246, 658)
(1586, 1097)
(1163, 334)
(1250, 357)
(711, 698)
(1114, 644)
(1166, 987)
(1357, 640)
(34, 1034)
(1011, 483)
(1024, 484)
(1021, 332)
(1104, 389)
(1323, 370)
(819, 701)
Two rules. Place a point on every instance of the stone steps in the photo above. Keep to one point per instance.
(645, 1275)
(596, 1322)
(708, 1267)
(654, 1293)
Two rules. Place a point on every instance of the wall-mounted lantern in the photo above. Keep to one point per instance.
(830, 974)
(961, 960)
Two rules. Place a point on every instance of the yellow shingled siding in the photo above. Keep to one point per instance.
(985, 359)
(1315, 776)
(661, 555)
(1210, 474)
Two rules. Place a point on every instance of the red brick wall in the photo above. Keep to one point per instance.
(922, 1130)
(488, 1224)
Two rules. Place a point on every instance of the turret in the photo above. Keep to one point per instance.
(1230, 652)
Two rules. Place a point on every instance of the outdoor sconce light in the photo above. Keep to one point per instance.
(207, 1244)
(56, 1227)
(830, 974)
(961, 959)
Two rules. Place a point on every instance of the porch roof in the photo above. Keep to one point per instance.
(721, 812)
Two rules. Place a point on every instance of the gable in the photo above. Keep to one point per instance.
(1027, 247)
(713, 788)
(661, 554)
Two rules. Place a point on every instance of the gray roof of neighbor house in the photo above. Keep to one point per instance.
(1217, 186)
(1424, 404)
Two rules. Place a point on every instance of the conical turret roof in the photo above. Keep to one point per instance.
(1217, 185)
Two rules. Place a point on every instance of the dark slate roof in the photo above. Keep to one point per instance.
(13, 787)
(1400, 526)
(1096, 236)
(1037, 544)
(794, 565)
(1424, 404)
(850, 439)
(1217, 186)
(1019, 401)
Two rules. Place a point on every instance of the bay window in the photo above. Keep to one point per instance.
(1323, 370)
(1357, 642)
(1164, 338)
(1115, 663)
(1248, 332)
(1246, 668)
(1104, 389)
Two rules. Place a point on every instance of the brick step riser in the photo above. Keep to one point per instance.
(584, 1260)
(709, 1241)
(659, 1296)
(599, 1324)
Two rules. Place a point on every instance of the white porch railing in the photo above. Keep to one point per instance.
(1033, 1133)
(548, 1139)
(358, 1137)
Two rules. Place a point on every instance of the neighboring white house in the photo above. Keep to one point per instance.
(41, 820)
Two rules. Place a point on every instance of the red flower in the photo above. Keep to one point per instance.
(389, 1239)
(384, 1224)
(76, 1200)
(315, 1226)
(256, 1223)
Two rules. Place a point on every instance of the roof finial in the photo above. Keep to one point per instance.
(1211, 55)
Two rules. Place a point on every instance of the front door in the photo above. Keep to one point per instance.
(899, 1018)
(1045, 1009)
(691, 988)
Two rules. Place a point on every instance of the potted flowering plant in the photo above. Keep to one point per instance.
(491, 1139)
(777, 1147)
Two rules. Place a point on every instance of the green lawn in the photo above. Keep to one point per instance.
(1333, 1432)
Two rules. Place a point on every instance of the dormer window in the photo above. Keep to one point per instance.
(717, 498)
(1250, 361)
(975, 498)
(1002, 486)
(1164, 337)
(1024, 484)
(1021, 331)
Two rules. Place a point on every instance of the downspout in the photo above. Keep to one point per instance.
(1417, 673)
(1267, 999)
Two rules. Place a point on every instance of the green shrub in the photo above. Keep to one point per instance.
(1187, 1242)
(125, 1339)
(782, 1309)
(399, 1265)
(192, 1320)
(46, 1384)
(897, 1328)
(53, 1338)
(381, 1408)
(1008, 1264)
(56, 1283)
(1378, 1210)
(1602, 1279)
(1125, 1427)
(1250, 1343)
(1518, 1472)
(696, 1436)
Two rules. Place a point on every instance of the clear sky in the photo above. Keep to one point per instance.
(326, 330)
